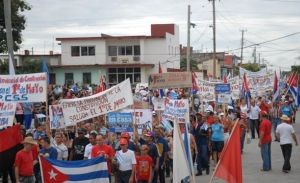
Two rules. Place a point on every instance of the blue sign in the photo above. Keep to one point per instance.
(120, 122)
(222, 88)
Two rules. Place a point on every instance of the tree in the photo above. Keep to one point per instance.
(251, 67)
(30, 66)
(4, 67)
(18, 23)
(296, 68)
(193, 64)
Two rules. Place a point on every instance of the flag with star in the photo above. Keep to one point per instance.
(83, 171)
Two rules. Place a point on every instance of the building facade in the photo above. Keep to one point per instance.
(86, 60)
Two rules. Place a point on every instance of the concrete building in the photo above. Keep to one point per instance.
(115, 58)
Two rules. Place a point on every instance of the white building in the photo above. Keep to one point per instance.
(87, 59)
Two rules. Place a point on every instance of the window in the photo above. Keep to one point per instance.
(128, 50)
(122, 50)
(52, 78)
(86, 78)
(84, 51)
(117, 75)
(112, 51)
(92, 50)
(137, 50)
(87, 50)
(69, 78)
(75, 51)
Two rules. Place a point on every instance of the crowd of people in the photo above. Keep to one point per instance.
(147, 157)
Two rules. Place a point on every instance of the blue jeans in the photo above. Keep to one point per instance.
(265, 150)
(275, 123)
(243, 139)
(202, 157)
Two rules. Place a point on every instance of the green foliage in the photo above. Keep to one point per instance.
(18, 23)
(30, 66)
(193, 64)
(296, 68)
(3, 67)
(251, 67)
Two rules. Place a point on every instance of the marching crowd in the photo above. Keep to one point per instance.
(147, 157)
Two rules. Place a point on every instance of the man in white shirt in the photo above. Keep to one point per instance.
(88, 148)
(126, 160)
(254, 119)
(62, 150)
(285, 132)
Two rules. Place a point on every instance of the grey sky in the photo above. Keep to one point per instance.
(263, 19)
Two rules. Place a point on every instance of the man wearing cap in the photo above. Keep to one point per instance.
(127, 162)
(285, 132)
(78, 145)
(265, 130)
(24, 162)
(131, 145)
(286, 109)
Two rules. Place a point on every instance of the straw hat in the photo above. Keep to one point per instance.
(285, 118)
(29, 140)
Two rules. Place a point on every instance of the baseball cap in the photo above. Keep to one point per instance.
(125, 135)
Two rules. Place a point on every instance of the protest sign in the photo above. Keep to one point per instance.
(158, 103)
(250, 73)
(143, 118)
(23, 88)
(207, 90)
(236, 85)
(176, 109)
(7, 114)
(223, 93)
(113, 99)
(120, 122)
(170, 80)
(56, 117)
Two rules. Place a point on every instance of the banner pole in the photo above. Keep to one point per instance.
(41, 169)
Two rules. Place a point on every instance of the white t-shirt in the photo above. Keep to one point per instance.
(285, 132)
(254, 112)
(244, 109)
(88, 151)
(126, 159)
(62, 150)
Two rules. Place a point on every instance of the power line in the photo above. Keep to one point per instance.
(268, 41)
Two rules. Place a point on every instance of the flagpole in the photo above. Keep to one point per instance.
(41, 169)
(226, 146)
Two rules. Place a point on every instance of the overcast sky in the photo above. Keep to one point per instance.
(263, 19)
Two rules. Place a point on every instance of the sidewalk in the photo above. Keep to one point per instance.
(252, 164)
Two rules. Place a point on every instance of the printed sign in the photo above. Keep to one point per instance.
(143, 118)
(7, 114)
(177, 109)
(23, 88)
(224, 98)
(120, 122)
(113, 99)
(223, 93)
(222, 88)
(170, 80)
(236, 85)
(56, 117)
(206, 90)
(158, 103)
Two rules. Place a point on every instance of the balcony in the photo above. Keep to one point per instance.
(130, 59)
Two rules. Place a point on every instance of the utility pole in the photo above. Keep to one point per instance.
(188, 52)
(9, 37)
(254, 54)
(214, 39)
(242, 45)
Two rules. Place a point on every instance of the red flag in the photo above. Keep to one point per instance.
(50, 174)
(159, 68)
(293, 79)
(229, 167)
(225, 79)
(10, 137)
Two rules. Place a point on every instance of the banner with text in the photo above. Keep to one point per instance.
(223, 93)
(143, 118)
(120, 122)
(56, 117)
(259, 84)
(7, 114)
(23, 88)
(236, 86)
(170, 80)
(207, 90)
(177, 109)
(113, 99)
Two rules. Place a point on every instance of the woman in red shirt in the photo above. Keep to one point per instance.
(144, 166)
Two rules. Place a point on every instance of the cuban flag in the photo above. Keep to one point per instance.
(293, 87)
(276, 88)
(195, 87)
(82, 171)
(45, 69)
(245, 91)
